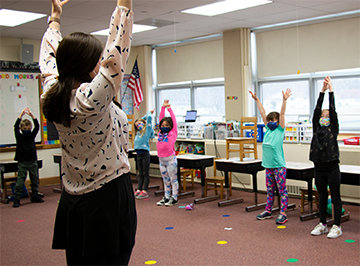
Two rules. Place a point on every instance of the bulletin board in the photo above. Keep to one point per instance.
(17, 91)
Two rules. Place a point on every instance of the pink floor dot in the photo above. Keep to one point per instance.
(20, 221)
(146, 199)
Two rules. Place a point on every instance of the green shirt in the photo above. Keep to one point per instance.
(273, 153)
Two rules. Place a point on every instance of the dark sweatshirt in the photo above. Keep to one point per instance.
(324, 150)
(25, 145)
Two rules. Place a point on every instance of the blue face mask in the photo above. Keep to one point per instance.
(272, 125)
(26, 132)
(165, 129)
(140, 126)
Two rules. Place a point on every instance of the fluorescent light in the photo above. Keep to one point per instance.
(12, 18)
(225, 7)
(136, 28)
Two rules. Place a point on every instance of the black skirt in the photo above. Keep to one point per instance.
(99, 222)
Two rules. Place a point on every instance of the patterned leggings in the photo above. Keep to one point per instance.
(278, 175)
(168, 169)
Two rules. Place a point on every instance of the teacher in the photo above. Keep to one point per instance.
(96, 217)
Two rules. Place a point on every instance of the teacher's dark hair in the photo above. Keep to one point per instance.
(76, 56)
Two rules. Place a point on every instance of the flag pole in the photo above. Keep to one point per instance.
(126, 85)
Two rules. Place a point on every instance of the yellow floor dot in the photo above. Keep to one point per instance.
(281, 227)
(150, 262)
(222, 242)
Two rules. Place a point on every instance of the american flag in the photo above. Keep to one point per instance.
(135, 85)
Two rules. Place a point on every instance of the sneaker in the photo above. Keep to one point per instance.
(171, 202)
(162, 202)
(281, 219)
(335, 232)
(36, 199)
(319, 229)
(16, 203)
(264, 215)
(137, 192)
(142, 195)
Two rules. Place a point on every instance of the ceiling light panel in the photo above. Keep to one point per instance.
(12, 18)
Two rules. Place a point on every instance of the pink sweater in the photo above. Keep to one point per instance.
(165, 144)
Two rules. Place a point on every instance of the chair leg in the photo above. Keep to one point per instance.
(230, 184)
(302, 201)
(205, 190)
(221, 190)
(215, 188)
(192, 180)
(184, 182)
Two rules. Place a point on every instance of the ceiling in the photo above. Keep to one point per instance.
(93, 15)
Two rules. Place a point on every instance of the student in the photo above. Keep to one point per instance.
(26, 156)
(166, 153)
(144, 132)
(96, 216)
(273, 158)
(324, 152)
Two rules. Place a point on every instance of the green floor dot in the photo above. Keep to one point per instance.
(150, 262)
(349, 240)
(292, 260)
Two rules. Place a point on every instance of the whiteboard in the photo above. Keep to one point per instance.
(17, 91)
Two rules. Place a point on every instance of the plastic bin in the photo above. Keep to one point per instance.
(305, 133)
(291, 134)
(260, 133)
(352, 141)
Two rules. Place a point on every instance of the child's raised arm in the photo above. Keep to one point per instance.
(260, 106)
(286, 96)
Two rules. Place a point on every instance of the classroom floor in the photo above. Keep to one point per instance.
(176, 236)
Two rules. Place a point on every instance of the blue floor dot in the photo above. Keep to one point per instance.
(169, 228)
(182, 207)
(226, 215)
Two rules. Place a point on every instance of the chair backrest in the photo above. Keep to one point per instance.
(131, 122)
(250, 124)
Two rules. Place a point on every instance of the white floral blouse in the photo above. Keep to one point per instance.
(94, 146)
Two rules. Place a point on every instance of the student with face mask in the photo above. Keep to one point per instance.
(324, 152)
(166, 153)
(143, 133)
(273, 158)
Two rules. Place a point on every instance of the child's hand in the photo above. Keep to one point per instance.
(286, 94)
(253, 95)
(166, 103)
(328, 83)
(152, 111)
(30, 114)
(325, 85)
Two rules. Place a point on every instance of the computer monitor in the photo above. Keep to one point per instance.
(190, 116)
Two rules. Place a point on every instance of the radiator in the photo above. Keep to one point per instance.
(294, 190)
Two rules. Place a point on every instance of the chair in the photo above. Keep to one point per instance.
(250, 124)
(305, 198)
(7, 181)
(131, 122)
(184, 173)
(217, 180)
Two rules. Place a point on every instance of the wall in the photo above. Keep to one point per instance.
(10, 48)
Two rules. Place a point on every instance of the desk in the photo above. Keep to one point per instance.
(193, 161)
(10, 166)
(245, 166)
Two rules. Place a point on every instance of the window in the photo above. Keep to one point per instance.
(210, 103)
(347, 99)
(208, 99)
(297, 106)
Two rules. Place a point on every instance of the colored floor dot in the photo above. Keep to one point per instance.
(349, 240)
(292, 260)
(226, 215)
(281, 227)
(20, 221)
(182, 207)
(146, 199)
(169, 228)
(150, 262)
(222, 242)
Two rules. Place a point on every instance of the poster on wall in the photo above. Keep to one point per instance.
(126, 98)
